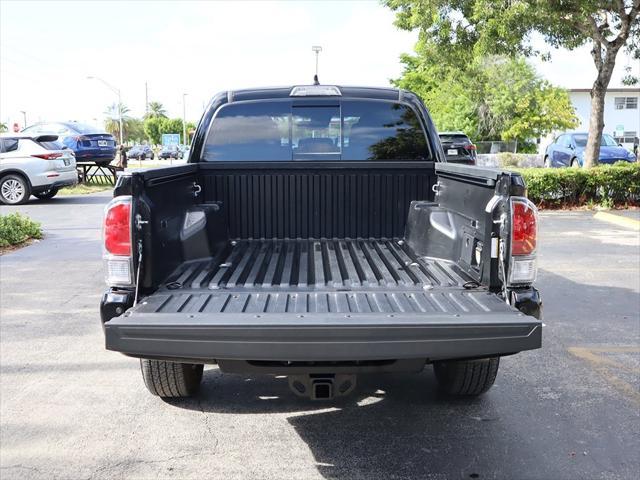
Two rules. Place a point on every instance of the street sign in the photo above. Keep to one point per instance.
(170, 139)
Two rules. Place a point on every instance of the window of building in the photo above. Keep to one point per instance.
(630, 103)
(628, 137)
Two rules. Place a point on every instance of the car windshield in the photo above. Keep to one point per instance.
(581, 140)
(83, 128)
(346, 130)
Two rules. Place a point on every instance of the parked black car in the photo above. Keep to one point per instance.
(140, 152)
(317, 232)
(170, 151)
(458, 148)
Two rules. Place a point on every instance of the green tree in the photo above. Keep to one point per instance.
(488, 98)
(112, 122)
(134, 130)
(456, 29)
(171, 125)
(152, 129)
(3, 127)
(156, 109)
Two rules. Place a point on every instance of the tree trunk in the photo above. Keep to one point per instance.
(596, 125)
(598, 92)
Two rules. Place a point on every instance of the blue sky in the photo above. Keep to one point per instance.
(48, 48)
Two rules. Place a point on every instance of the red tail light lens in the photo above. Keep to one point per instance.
(524, 228)
(471, 147)
(48, 156)
(117, 227)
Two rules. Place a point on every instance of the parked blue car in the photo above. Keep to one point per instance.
(90, 144)
(567, 150)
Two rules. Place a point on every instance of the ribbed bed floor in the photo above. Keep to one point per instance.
(319, 276)
(311, 265)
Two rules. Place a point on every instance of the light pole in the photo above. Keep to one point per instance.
(24, 116)
(117, 92)
(184, 119)
(317, 49)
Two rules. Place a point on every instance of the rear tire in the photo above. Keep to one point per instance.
(47, 194)
(547, 162)
(467, 378)
(169, 379)
(574, 163)
(14, 190)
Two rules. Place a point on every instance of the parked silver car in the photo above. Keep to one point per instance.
(34, 165)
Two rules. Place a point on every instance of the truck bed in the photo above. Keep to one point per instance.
(348, 276)
(304, 276)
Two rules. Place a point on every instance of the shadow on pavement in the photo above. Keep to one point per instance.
(530, 425)
(88, 199)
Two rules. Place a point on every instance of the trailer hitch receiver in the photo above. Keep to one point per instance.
(322, 386)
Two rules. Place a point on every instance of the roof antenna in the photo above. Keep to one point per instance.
(317, 49)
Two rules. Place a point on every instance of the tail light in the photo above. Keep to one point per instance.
(117, 251)
(524, 233)
(471, 147)
(48, 156)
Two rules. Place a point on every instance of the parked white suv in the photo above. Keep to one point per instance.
(34, 165)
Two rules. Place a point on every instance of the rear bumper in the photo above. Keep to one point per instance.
(92, 154)
(320, 337)
(63, 179)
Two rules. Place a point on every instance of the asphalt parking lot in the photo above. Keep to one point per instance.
(71, 410)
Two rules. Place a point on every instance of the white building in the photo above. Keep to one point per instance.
(621, 115)
(621, 112)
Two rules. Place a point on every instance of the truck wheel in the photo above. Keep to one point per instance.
(470, 377)
(169, 379)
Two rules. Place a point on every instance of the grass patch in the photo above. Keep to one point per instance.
(84, 188)
(15, 229)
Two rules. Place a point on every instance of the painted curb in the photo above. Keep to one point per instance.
(618, 220)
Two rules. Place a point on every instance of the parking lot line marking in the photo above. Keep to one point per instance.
(618, 220)
(604, 365)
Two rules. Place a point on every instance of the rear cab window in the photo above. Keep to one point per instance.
(285, 130)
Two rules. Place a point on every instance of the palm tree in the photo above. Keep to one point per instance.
(156, 109)
(112, 123)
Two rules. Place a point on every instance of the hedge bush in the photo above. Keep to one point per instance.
(16, 228)
(605, 185)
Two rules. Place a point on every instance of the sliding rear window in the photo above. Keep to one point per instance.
(348, 130)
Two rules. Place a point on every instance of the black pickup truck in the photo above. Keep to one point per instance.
(317, 232)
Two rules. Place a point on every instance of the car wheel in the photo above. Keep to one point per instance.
(14, 190)
(47, 194)
(169, 379)
(574, 163)
(547, 162)
(467, 377)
